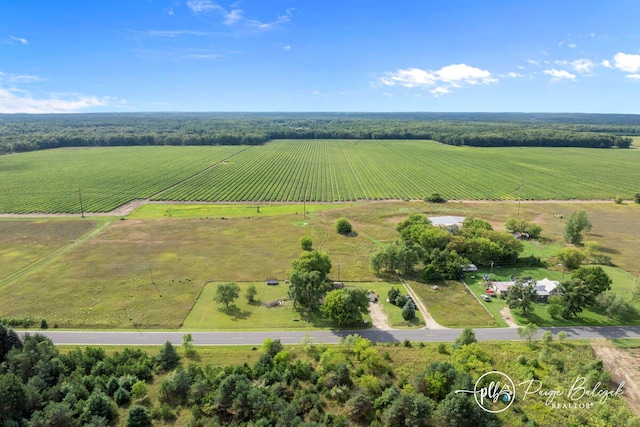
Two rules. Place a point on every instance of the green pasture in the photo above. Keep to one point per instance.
(313, 170)
(195, 210)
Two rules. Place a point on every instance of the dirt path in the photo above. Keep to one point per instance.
(506, 315)
(623, 366)
(428, 319)
(378, 318)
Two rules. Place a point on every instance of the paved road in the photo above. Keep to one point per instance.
(329, 337)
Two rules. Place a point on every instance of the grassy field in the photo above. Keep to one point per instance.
(312, 170)
(150, 271)
(27, 241)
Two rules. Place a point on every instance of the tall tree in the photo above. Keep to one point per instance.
(345, 306)
(313, 261)
(575, 225)
(227, 293)
(571, 258)
(521, 295)
(306, 288)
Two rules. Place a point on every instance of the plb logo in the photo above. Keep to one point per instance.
(494, 392)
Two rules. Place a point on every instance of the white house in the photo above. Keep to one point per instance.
(545, 288)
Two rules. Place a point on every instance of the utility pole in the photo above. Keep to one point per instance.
(520, 196)
(80, 197)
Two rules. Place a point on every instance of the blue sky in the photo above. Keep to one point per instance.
(313, 55)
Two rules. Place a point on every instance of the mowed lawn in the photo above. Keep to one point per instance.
(242, 315)
(452, 305)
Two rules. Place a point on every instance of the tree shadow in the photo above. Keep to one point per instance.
(607, 250)
(235, 312)
(255, 303)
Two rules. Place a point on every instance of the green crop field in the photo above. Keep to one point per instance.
(312, 170)
(341, 170)
(105, 178)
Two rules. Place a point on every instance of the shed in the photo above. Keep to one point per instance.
(272, 281)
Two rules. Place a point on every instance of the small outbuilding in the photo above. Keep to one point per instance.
(272, 281)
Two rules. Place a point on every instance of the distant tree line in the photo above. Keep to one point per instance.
(20, 133)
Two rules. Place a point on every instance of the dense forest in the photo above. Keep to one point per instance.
(21, 132)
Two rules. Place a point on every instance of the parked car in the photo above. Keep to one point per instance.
(485, 297)
(490, 292)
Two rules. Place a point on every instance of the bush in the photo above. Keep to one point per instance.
(617, 200)
(636, 198)
(168, 358)
(121, 396)
(409, 311)
(393, 294)
(435, 198)
(305, 243)
(343, 226)
(138, 416)
(43, 324)
(401, 300)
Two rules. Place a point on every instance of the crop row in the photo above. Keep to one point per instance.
(312, 170)
(342, 170)
(102, 178)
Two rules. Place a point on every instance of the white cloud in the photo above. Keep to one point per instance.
(558, 75)
(173, 33)
(233, 17)
(633, 76)
(533, 61)
(286, 47)
(514, 75)
(16, 101)
(583, 66)
(439, 91)
(411, 77)
(627, 62)
(318, 93)
(198, 6)
(17, 78)
(20, 40)
(605, 63)
(387, 94)
(446, 78)
(283, 19)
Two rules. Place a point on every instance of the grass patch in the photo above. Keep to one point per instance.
(255, 210)
(453, 305)
(393, 312)
(26, 241)
(626, 342)
(242, 315)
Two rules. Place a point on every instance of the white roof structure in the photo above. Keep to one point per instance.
(447, 220)
(545, 286)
